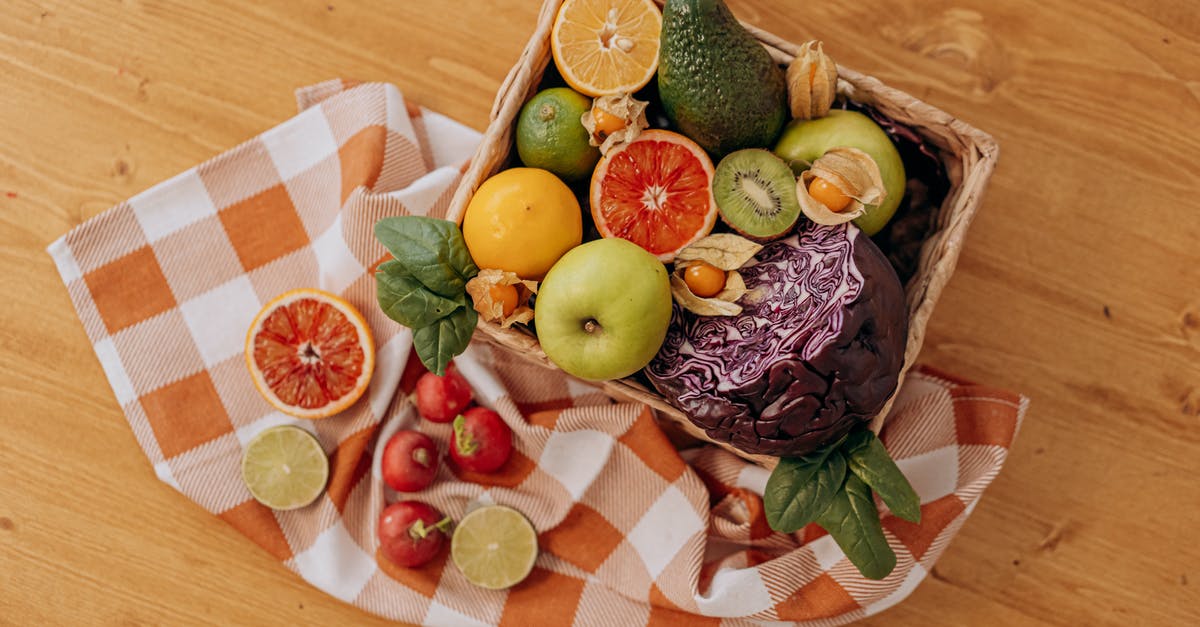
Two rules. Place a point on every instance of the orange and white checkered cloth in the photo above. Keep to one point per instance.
(631, 532)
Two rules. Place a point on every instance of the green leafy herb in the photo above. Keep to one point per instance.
(441, 341)
(817, 488)
(424, 287)
(853, 521)
(433, 251)
(869, 460)
(799, 489)
(404, 299)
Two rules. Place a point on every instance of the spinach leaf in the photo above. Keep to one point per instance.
(869, 460)
(433, 251)
(404, 299)
(853, 521)
(438, 343)
(799, 489)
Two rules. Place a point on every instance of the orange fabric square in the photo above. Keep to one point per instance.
(664, 613)
(130, 289)
(811, 532)
(823, 597)
(424, 579)
(985, 415)
(584, 538)
(348, 466)
(256, 522)
(547, 414)
(510, 475)
(544, 598)
(647, 441)
(935, 515)
(186, 414)
(264, 227)
(544, 413)
(362, 159)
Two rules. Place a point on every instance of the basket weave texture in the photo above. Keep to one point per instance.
(968, 154)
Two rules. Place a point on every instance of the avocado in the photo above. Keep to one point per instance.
(719, 86)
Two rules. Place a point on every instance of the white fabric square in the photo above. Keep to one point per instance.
(420, 196)
(163, 470)
(827, 552)
(338, 266)
(68, 268)
(753, 478)
(487, 388)
(389, 365)
(397, 115)
(933, 474)
(910, 583)
(273, 419)
(455, 142)
(172, 205)
(110, 360)
(664, 529)
(735, 592)
(335, 564)
(441, 616)
(218, 319)
(575, 458)
(300, 143)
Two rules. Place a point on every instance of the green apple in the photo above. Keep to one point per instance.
(803, 141)
(602, 311)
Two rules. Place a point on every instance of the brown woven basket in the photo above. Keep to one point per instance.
(968, 154)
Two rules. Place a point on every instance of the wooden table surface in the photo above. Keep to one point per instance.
(1079, 285)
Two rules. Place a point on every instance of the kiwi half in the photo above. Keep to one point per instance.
(756, 194)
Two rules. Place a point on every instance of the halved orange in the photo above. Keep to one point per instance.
(310, 353)
(605, 47)
(656, 192)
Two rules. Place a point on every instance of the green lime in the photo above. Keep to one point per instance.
(285, 468)
(494, 547)
(551, 136)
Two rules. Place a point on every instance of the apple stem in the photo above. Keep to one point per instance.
(591, 326)
(421, 456)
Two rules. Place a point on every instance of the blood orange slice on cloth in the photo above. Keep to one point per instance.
(310, 353)
(656, 192)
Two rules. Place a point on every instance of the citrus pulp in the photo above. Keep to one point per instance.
(656, 192)
(310, 353)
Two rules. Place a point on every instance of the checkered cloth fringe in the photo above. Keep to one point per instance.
(631, 532)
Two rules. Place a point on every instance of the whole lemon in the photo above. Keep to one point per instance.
(522, 220)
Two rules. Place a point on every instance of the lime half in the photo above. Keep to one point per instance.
(285, 468)
(494, 547)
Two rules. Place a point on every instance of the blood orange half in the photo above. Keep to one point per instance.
(310, 353)
(656, 192)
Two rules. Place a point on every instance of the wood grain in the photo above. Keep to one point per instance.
(1079, 286)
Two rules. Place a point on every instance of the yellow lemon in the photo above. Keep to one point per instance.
(522, 220)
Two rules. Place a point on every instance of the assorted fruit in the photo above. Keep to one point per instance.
(779, 328)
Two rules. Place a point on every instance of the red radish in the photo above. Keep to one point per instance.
(440, 399)
(410, 461)
(481, 442)
(411, 533)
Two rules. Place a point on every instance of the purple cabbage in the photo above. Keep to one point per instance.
(816, 351)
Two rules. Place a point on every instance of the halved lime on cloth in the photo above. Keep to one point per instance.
(285, 468)
(494, 547)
